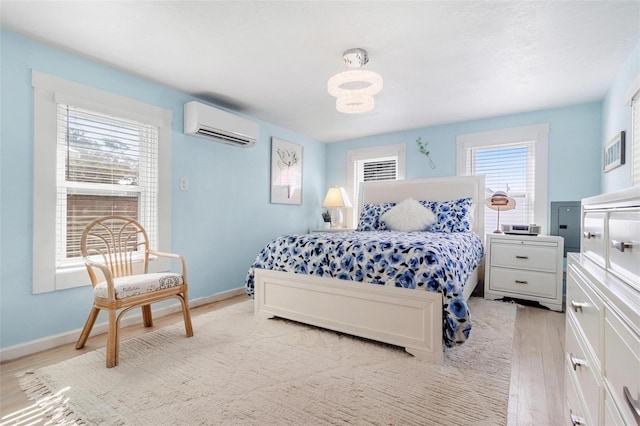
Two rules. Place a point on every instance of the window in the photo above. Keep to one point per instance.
(105, 165)
(370, 164)
(95, 154)
(377, 169)
(633, 100)
(635, 139)
(513, 161)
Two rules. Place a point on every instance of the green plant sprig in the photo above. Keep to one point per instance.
(423, 149)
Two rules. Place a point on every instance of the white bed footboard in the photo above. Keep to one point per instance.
(408, 318)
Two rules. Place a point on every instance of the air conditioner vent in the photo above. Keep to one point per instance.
(224, 137)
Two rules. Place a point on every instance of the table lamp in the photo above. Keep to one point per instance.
(500, 201)
(336, 200)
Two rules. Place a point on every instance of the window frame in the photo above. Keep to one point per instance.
(370, 153)
(633, 101)
(539, 134)
(48, 92)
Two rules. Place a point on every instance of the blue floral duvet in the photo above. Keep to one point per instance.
(430, 261)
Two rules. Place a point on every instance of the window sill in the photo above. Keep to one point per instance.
(77, 276)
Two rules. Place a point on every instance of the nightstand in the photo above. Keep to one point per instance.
(315, 230)
(525, 267)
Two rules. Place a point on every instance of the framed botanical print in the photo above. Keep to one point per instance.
(286, 172)
(613, 154)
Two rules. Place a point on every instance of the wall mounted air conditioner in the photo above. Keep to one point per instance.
(221, 126)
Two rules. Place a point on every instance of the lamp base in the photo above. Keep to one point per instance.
(497, 231)
(336, 218)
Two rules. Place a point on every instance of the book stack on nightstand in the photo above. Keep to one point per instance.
(527, 267)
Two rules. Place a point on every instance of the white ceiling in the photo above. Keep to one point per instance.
(442, 61)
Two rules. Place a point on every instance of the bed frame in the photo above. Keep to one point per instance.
(403, 317)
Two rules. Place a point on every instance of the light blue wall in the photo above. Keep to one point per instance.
(219, 225)
(574, 148)
(616, 117)
(224, 219)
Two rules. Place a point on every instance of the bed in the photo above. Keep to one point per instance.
(396, 311)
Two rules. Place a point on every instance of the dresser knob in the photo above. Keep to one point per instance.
(620, 245)
(589, 235)
(576, 362)
(635, 404)
(522, 257)
(577, 306)
(575, 419)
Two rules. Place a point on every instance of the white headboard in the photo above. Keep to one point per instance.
(434, 189)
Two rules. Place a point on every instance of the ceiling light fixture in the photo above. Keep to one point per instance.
(354, 88)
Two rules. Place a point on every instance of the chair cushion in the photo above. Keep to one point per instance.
(135, 285)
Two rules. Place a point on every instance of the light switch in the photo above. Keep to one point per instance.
(184, 184)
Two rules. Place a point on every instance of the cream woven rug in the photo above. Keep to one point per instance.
(238, 369)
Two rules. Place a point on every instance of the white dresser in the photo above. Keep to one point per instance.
(602, 379)
(525, 267)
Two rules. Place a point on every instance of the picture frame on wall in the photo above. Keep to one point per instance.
(613, 155)
(286, 172)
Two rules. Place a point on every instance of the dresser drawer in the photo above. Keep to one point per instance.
(576, 413)
(587, 309)
(622, 366)
(525, 256)
(522, 282)
(580, 365)
(611, 414)
(624, 245)
(593, 243)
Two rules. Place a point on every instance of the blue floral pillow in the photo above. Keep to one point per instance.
(370, 217)
(451, 216)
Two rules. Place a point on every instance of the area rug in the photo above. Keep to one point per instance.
(238, 369)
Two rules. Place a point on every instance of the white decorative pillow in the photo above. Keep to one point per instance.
(408, 216)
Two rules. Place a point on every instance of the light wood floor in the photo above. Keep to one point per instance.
(537, 375)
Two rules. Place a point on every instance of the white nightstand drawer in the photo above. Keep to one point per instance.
(581, 366)
(529, 256)
(592, 243)
(624, 245)
(587, 309)
(622, 366)
(522, 282)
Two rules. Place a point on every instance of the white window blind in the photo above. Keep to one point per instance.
(106, 165)
(379, 169)
(375, 169)
(635, 140)
(509, 168)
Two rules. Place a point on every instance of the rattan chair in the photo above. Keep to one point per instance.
(116, 253)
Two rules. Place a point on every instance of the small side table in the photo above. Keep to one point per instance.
(525, 267)
(316, 230)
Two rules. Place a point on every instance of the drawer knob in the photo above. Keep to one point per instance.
(589, 235)
(522, 257)
(576, 362)
(577, 306)
(522, 282)
(575, 419)
(635, 404)
(620, 245)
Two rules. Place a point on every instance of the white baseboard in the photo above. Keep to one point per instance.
(49, 342)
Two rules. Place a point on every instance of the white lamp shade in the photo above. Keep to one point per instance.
(336, 198)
